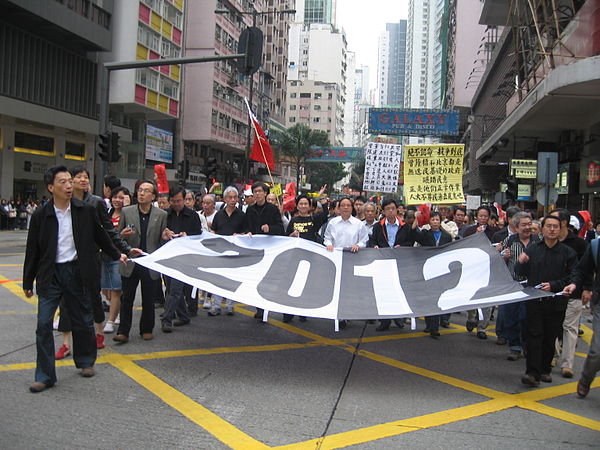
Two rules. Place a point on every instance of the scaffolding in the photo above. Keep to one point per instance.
(538, 27)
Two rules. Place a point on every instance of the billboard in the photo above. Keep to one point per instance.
(413, 122)
(159, 144)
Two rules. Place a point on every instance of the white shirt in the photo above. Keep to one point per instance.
(369, 227)
(65, 250)
(346, 233)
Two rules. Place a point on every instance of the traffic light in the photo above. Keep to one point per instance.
(251, 44)
(511, 188)
(115, 155)
(105, 141)
(183, 170)
(211, 167)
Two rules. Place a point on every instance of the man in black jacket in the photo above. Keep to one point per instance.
(550, 266)
(181, 221)
(262, 218)
(391, 231)
(64, 235)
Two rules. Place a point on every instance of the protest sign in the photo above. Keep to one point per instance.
(433, 173)
(300, 277)
(382, 167)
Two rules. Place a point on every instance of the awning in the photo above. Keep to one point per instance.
(567, 99)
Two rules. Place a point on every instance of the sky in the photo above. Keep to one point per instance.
(363, 20)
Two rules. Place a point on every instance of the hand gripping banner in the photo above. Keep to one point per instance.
(296, 276)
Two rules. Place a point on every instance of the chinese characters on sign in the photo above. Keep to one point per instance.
(413, 122)
(433, 173)
(382, 167)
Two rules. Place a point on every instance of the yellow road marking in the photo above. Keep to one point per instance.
(17, 289)
(212, 423)
(562, 415)
(587, 335)
(369, 434)
(11, 265)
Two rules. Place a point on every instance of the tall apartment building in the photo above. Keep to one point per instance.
(145, 102)
(317, 11)
(419, 55)
(391, 64)
(48, 86)
(215, 118)
(317, 104)
(318, 52)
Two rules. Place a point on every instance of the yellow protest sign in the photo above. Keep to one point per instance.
(277, 190)
(433, 173)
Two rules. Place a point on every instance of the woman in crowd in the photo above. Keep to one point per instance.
(305, 225)
(433, 237)
(110, 281)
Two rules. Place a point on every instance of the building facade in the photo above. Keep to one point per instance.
(48, 81)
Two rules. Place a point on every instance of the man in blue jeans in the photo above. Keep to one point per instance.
(63, 236)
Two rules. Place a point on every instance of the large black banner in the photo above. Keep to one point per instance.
(295, 276)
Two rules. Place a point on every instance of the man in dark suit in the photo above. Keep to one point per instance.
(141, 225)
(262, 218)
(391, 231)
(63, 240)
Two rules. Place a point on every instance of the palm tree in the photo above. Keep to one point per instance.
(296, 142)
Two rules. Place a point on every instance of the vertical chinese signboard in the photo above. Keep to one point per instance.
(433, 173)
(382, 167)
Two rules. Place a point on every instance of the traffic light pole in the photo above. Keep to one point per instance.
(105, 70)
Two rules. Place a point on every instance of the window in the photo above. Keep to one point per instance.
(292, 119)
(292, 107)
(317, 107)
(293, 83)
(75, 150)
(292, 95)
(305, 95)
(33, 143)
(318, 96)
(316, 119)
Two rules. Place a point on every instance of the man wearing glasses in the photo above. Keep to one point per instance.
(141, 226)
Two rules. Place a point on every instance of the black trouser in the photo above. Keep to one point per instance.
(64, 323)
(139, 275)
(544, 324)
(432, 323)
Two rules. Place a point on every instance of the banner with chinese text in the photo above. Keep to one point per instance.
(433, 173)
(382, 167)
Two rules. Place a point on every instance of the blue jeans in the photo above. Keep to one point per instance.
(511, 324)
(66, 283)
(592, 362)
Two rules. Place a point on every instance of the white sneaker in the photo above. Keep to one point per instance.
(207, 303)
(118, 319)
(109, 327)
(55, 324)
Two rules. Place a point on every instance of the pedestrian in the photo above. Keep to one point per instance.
(207, 215)
(305, 225)
(550, 265)
(510, 325)
(589, 270)
(359, 203)
(482, 217)
(460, 219)
(345, 232)
(111, 183)
(65, 234)
(390, 232)
(565, 354)
(142, 226)
(370, 211)
(435, 236)
(110, 281)
(262, 218)
(228, 221)
(181, 221)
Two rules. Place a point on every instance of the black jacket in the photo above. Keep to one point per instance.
(267, 214)
(555, 265)
(499, 236)
(100, 206)
(427, 239)
(187, 221)
(379, 236)
(42, 242)
(489, 231)
(589, 273)
(580, 245)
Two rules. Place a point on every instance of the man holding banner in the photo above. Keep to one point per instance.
(550, 266)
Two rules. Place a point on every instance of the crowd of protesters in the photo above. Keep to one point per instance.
(548, 255)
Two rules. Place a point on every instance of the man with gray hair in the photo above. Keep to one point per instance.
(510, 325)
(227, 221)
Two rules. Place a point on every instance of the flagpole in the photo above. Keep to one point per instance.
(258, 138)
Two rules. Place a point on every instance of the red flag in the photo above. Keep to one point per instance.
(160, 176)
(289, 197)
(261, 149)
